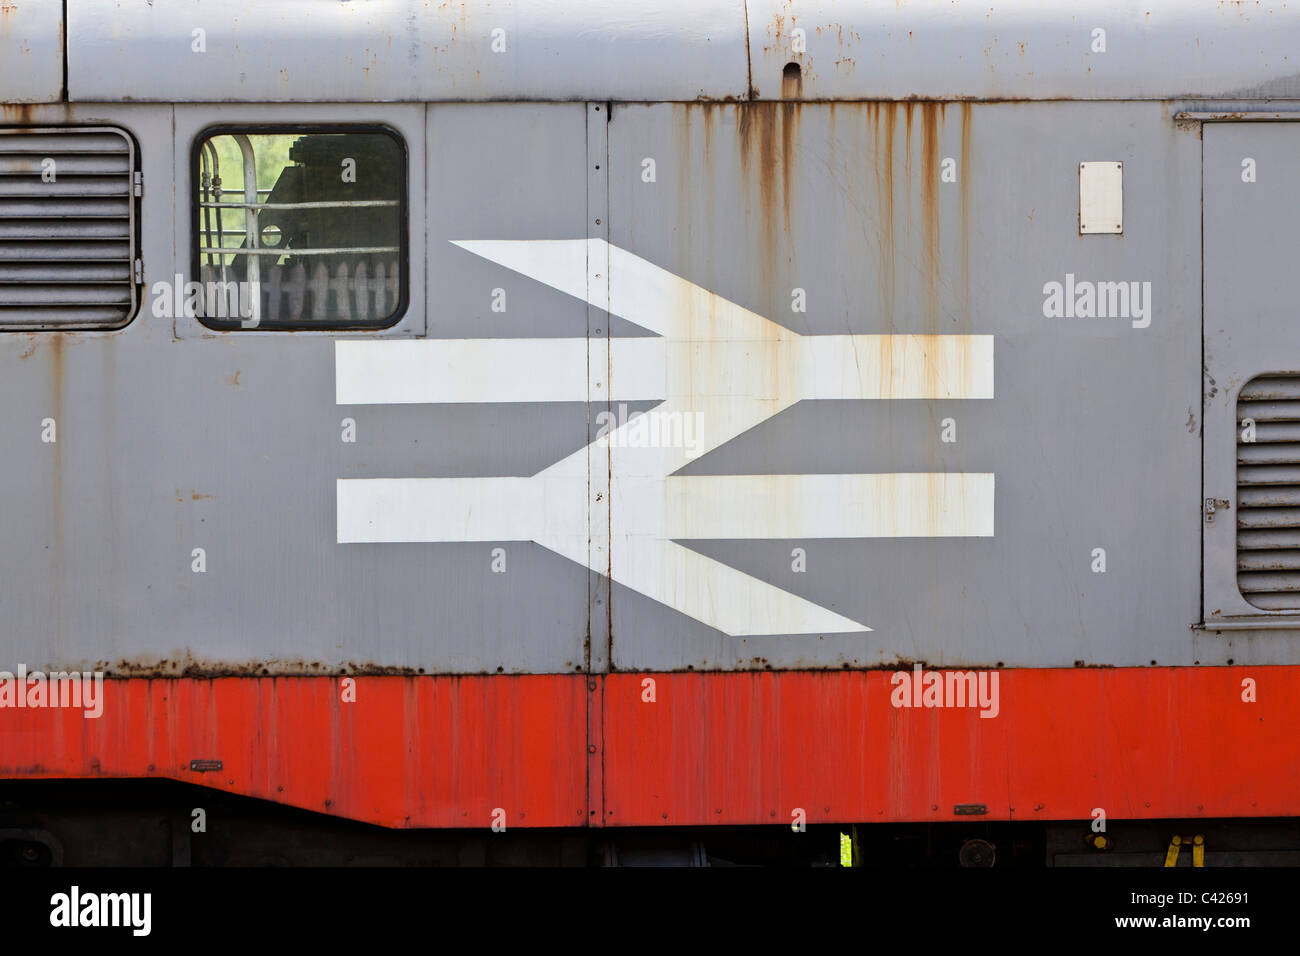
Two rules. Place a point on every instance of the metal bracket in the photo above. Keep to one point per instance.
(1214, 504)
(1198, 850)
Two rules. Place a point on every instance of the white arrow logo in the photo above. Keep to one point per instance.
(725, 366)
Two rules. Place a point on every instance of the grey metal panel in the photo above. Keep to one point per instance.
(598, 335)
(171, 437)
(231, 442)
(1093, 431)
(1025, 49)
(385, 50)
(31, 55)
(1250, 314)
(66, 177)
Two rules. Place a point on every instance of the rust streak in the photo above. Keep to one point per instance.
(964, 187)
(886, 181)
(684, 229)
(930, 211)
(19, 113)
(56, 489)
(790, 113)
(757, 130)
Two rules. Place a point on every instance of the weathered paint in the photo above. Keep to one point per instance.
(1022, 49)
(172, 436)
(31, 54)
(409, 752)
(714, 364)
(719, 50)
(99, 558)
(1248, 313)
(407, 50)
(710, 748)
(854, 212)
(1142, 743)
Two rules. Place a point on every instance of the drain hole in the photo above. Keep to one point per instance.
(791, 81)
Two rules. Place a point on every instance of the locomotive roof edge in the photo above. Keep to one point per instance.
(643, 50)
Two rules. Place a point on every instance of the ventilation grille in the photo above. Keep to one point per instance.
(67, 228)
(1268, 492)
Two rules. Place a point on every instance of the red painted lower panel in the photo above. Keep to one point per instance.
(1137, 742)
(410, 751)
(711, 748)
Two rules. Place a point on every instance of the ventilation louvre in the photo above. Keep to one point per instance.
(1268, 492)
(67, 228)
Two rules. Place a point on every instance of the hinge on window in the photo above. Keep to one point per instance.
(139, 271)
(139, 183)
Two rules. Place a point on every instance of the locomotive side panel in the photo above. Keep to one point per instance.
(1251, 366)
(173, 438)
(953, 222)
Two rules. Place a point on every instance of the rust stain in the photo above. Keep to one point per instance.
(964, 174)
(187, 664)
(196, 496)
(19, 113)
(885, 187)
(684, 228)
(56, 488)
(909, 218)
(792, 82)
(789, 128)
(756, 126)
(710, 121)
(234, 379)
(930, 210)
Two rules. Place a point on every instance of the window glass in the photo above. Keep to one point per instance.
(300, 229)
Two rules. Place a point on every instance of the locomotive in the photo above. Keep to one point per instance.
(747, 431)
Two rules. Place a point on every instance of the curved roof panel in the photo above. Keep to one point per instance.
(653, 50)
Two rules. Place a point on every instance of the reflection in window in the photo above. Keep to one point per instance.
(300, 230)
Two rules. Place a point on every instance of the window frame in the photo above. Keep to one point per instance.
(206, 133)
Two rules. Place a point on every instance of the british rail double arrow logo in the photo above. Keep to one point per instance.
(728, 368)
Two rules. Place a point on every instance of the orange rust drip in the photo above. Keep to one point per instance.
(56, 342)
(930, 211)
(19, 114)
(885, 188)
(964, 180)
